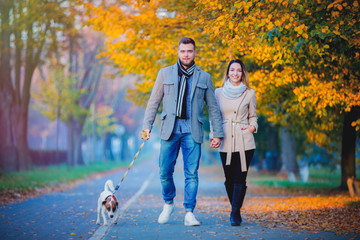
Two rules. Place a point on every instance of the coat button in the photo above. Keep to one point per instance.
(235, 112)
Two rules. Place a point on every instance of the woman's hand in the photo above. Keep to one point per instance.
(215, 142)
(251, 128)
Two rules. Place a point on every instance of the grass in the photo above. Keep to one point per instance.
(319, 178)
(46, 176)
(288, 184)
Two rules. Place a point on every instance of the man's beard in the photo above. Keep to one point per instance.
(187, 65)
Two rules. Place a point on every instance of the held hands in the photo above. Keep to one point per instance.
(215, 142)
(145, 134)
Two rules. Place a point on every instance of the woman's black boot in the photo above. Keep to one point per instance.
(237, 202)
(229, 190)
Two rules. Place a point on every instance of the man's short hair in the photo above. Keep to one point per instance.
(186, 40)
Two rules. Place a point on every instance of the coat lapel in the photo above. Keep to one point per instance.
(175, 78)
(195, 80)
(242, 98)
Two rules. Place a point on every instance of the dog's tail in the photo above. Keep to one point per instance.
(109, 186)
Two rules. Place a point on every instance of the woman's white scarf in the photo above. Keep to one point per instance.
(231, 91)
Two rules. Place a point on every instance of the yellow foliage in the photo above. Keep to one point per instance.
(291, 43)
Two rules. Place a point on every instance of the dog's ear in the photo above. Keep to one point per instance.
(103, 203)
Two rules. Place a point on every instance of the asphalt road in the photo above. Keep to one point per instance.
(72, 214)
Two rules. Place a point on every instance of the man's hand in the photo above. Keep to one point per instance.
(145, 134)
(215, 143)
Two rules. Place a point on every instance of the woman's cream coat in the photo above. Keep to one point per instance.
(237, 114)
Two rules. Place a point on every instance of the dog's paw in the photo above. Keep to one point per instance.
(115, 222)
(105, 224)
(98, 222)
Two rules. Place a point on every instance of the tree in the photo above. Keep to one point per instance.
(104, 123)
(25, 37)
(142, 37)
(310, 53)
(71, 92)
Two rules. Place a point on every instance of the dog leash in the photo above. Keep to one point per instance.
(143, 136)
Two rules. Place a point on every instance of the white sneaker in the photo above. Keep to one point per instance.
(168, 209)
(190, 220)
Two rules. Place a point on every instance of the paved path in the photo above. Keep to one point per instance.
(71, 214)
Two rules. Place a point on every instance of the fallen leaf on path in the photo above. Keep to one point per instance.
(311, 213)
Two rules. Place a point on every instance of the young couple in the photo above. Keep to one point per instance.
(183, 88)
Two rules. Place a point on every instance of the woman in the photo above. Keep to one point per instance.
(237, 102)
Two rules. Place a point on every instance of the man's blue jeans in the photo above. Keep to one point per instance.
(191, 154)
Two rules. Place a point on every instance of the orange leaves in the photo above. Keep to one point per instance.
(312, 213)
(302, 31)
(298, 203)
(297, 41)
(339, 5)
(320, 95)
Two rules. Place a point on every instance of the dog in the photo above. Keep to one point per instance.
(107, 203)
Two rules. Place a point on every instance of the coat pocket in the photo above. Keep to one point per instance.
(200, 90)
(200, 128)
(168, 87)
(163, 115)
(162, 118)
(249, 141)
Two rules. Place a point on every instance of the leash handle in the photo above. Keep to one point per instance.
(144, 137)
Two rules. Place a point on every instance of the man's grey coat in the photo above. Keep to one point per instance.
(166, 89)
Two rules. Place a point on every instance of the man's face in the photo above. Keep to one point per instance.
(186, 54)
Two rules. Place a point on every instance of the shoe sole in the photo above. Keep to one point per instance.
(188, 224)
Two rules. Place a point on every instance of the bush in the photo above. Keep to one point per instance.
(47, 157)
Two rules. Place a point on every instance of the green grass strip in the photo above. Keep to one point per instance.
(288, 184)
(46, 176)
(319, 178)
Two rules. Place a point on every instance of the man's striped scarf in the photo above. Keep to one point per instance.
(184, 76)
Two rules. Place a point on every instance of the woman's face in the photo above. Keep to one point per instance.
(235, 73)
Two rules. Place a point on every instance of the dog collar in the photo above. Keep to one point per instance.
(112, 197)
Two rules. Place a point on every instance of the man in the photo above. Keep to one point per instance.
(183, 88)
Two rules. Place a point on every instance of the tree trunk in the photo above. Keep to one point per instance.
(70, 143)
(78, 159)
(94, 146)
(288, 153)
(20, 129)
(124, 153)
(107, 147)
(103, 149)
(8, 155)
(348, 147)
(74, 152)
(20, 115)
(274, 145)
(93, 131)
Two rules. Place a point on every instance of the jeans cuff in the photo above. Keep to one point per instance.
(169, 201)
